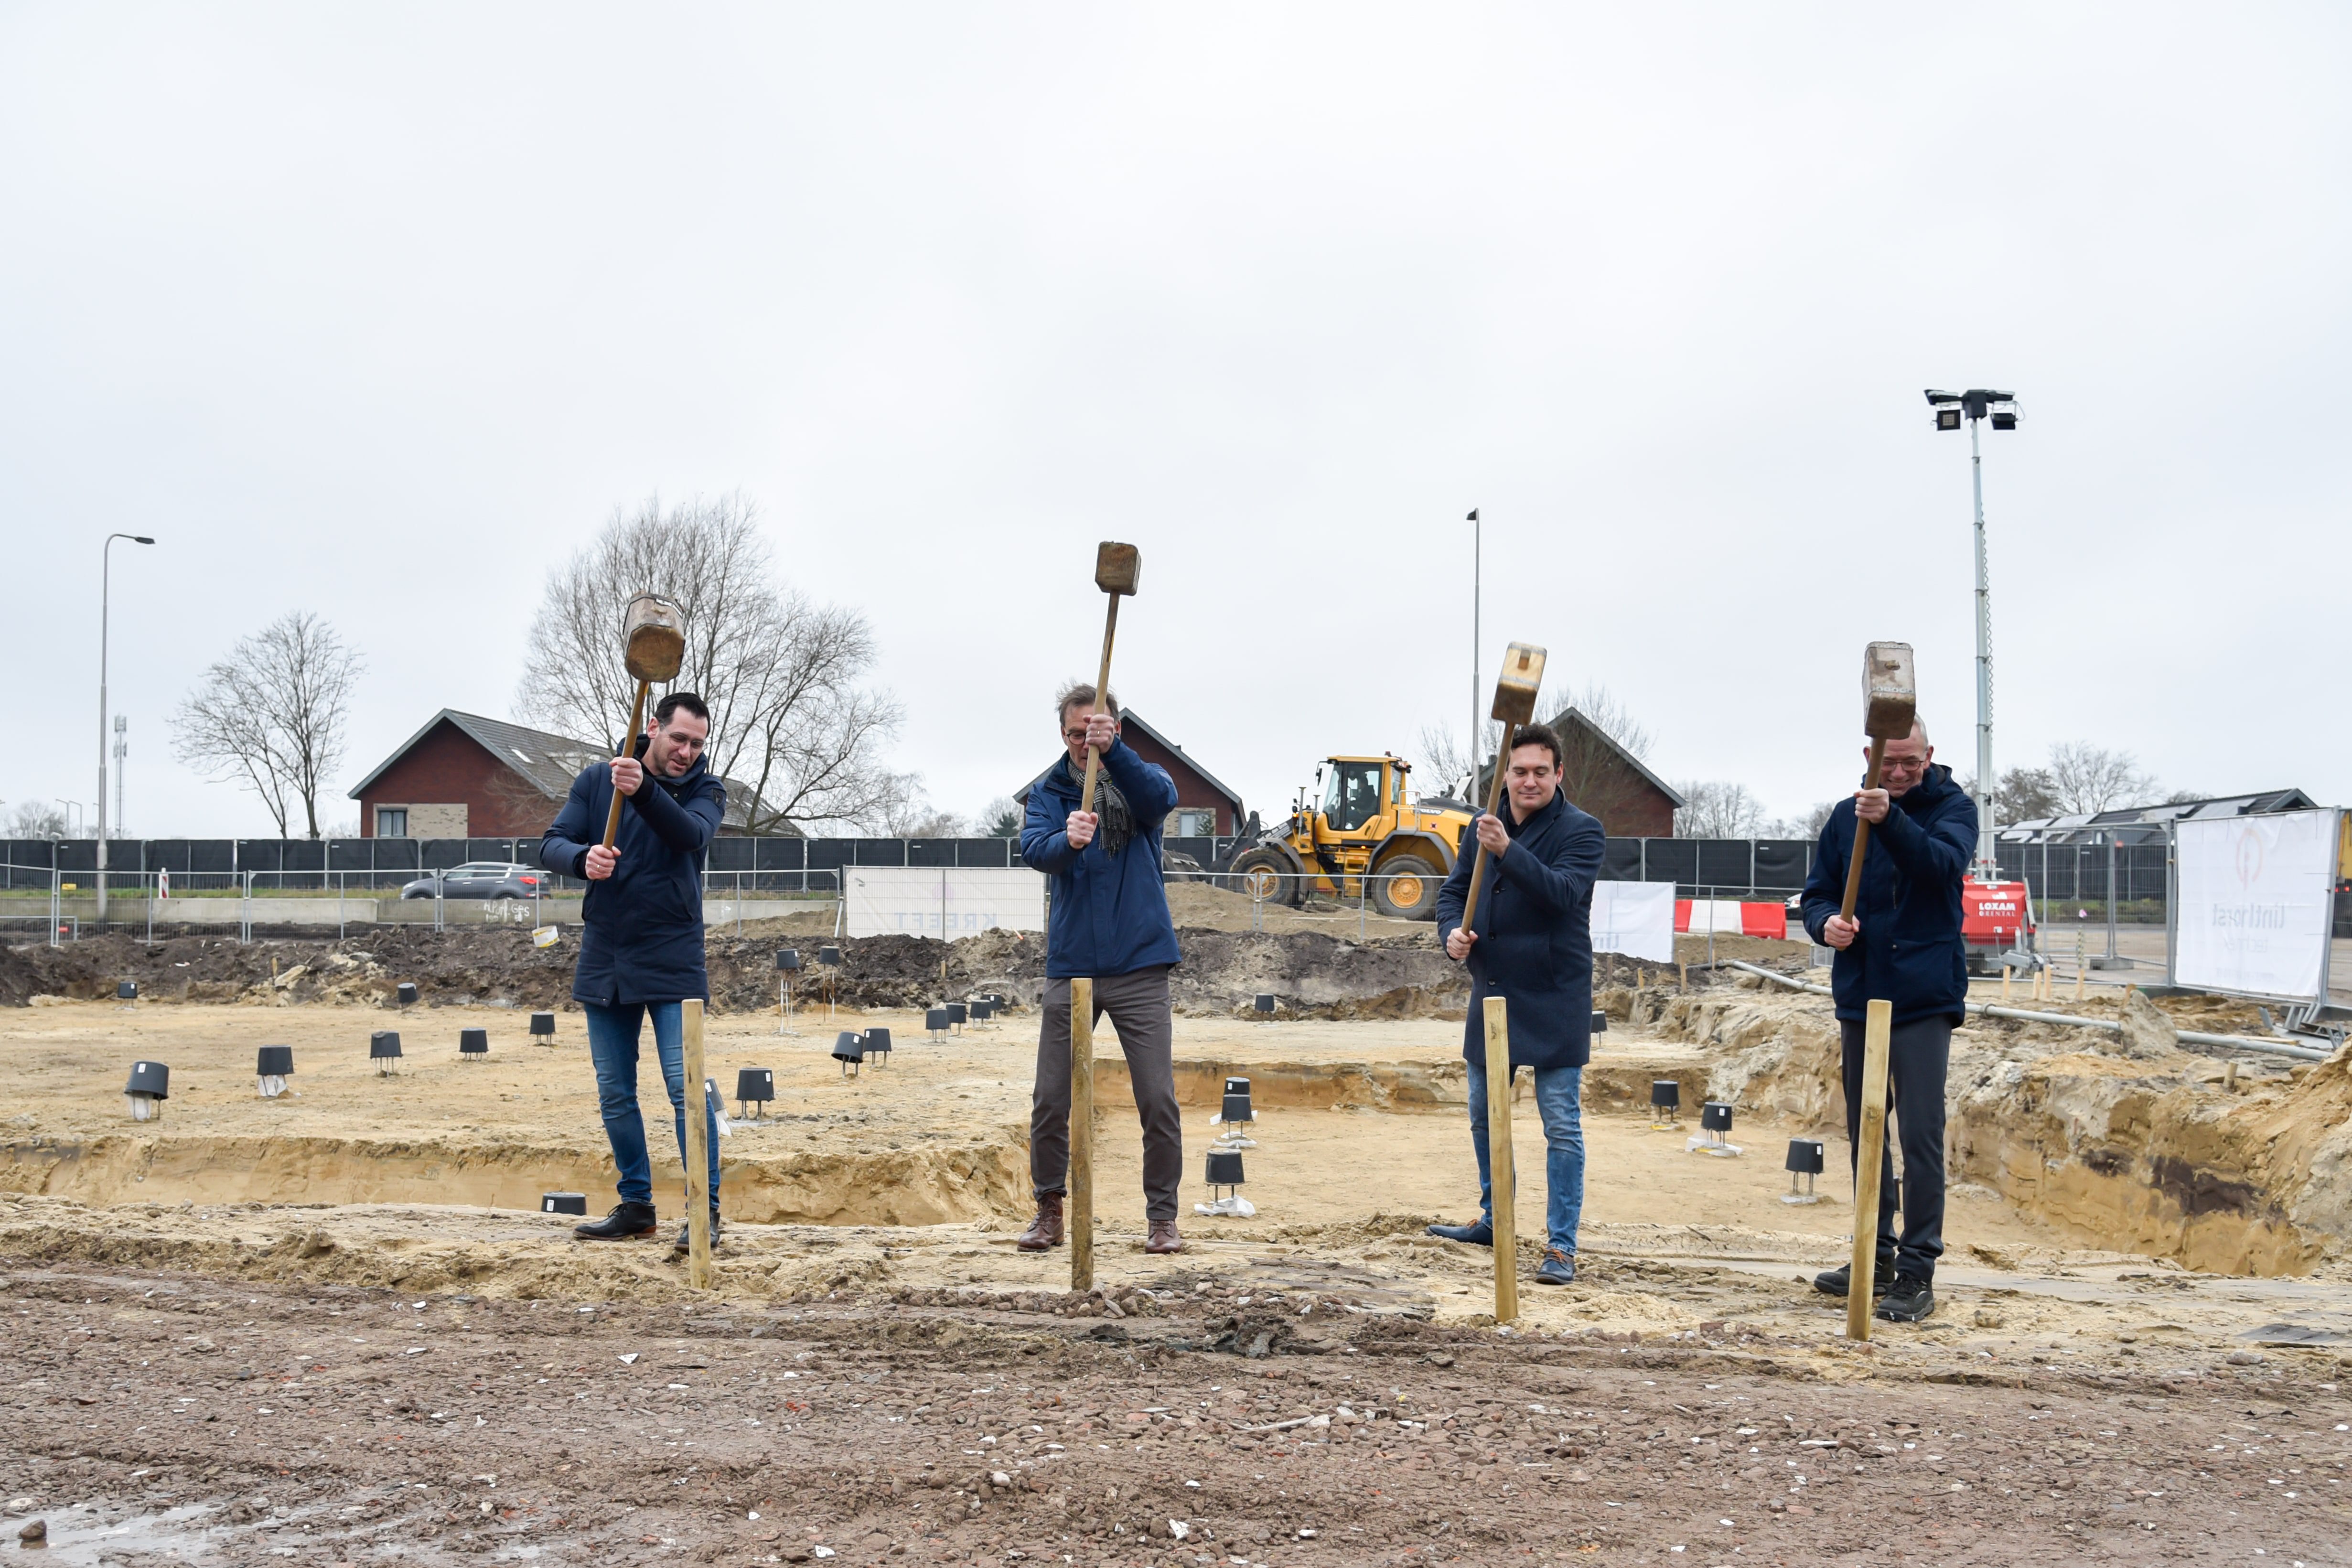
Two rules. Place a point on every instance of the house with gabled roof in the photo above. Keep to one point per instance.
(467, 776)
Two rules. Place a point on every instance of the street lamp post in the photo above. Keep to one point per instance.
(1974, 405)
(105, 587)
(1477, 529)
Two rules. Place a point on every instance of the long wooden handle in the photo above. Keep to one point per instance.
(628, 746)
(1502, 1176)
(1494, 804)
(1861, 835)
(1878, 1025)
(1102, 698)
(697, 1150)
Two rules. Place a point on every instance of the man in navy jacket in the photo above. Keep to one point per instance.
(1110, 922)
(1531, 944)
(641, 940)
(1903, 946)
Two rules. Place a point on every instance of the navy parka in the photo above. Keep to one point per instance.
(641, 936)
(1109, 913)
(1535, 935)
(1910, 952)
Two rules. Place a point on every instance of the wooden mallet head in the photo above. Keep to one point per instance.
(1890, 691)
(1520, 683)
(653, 635)
(1117, 567)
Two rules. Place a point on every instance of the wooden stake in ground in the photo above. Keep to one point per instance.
(1514, 704)
(1889, 709)
(697, 1150)
(1502, 1185)
(653, 636)
(1118, 570)
(1870, 1142)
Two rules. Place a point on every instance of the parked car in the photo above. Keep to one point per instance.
(482, 880)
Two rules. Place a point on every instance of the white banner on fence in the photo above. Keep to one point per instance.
(929, 901)
(2256, 904)
(1635, 919)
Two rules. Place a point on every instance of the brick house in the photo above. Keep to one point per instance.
(1205, 805)
(465, 776)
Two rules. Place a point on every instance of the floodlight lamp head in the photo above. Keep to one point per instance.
(1948, 418)
(1939, 397)
(2004, 415)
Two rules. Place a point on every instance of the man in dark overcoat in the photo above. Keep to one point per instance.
(1533, 947)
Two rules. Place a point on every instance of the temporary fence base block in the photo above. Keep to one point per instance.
(1711, 1143)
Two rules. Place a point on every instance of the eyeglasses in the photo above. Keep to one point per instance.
(1073, 734)
(1901, 764)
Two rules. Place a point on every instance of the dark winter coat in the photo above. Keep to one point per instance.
(1909, 952)
(642, 939)
(1109, 913)
(1535, 935)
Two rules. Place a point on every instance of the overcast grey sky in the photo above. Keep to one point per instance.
(380, 313)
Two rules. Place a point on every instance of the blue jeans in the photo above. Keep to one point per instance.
(1559, 1100)
(613, 1047)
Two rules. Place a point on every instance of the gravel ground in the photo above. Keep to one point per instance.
(152, 1417)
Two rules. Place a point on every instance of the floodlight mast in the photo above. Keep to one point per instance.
(1974, 405)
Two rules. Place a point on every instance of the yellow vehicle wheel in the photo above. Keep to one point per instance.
(1264, 875)
(1404, 887)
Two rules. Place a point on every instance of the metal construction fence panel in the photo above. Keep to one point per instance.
(1724, 868)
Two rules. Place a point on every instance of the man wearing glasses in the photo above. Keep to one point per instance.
(641, 936)
(1902, 946)
(1108, 920)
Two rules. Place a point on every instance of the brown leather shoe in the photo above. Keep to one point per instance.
(1164, 1238)
(1046, 1230)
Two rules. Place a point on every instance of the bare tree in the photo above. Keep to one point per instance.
(1715, 810)
(1807, 825)
(791, 718)
(271, 715)
(2086, 778)
(34, 819)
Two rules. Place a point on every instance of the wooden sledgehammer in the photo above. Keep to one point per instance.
(1890, 706)
(1514, 704)
(1118, 569)
(654, 646)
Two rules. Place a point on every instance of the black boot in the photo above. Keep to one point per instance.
(626, 1220)
(1839, 1281)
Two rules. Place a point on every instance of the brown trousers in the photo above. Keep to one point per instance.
(1138, 1005)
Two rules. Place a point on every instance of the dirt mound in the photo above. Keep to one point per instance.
(1310, 974)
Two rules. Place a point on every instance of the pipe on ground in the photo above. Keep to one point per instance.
(1994, 1010)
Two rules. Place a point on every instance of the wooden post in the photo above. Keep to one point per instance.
(1080, 1203)
(1860, 1297)
(698, 1152)
(2005, 973)
(1500, 1174)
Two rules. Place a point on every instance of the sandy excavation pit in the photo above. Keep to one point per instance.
(870, 1222)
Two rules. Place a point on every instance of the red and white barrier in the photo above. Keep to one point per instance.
(1730, 917)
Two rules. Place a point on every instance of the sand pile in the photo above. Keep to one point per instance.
(1311, 974)
(2237, 1167)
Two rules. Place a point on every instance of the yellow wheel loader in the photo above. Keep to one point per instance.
(1361, 822)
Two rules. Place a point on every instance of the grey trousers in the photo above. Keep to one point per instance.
(1138, 1004)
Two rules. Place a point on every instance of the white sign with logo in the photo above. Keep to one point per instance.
(1635, 919)
(950, 900)
(2256, 902)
